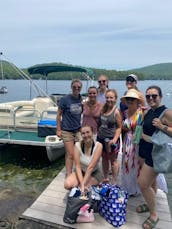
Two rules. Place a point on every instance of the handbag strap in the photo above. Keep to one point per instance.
(162, 113)
(160, 116)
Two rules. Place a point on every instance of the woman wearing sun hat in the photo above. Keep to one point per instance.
(132, 117)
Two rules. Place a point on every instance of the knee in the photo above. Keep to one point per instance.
(67, 184)
(141, 184)
(69, 155)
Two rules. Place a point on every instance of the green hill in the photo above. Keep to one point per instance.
(156, 71)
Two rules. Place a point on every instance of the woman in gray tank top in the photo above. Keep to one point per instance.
(108, 134)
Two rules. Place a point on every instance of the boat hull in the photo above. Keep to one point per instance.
(56, 150)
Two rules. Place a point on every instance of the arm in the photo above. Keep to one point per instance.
(58, 119)
(119, 127)
(142, 98)
(78, 165)
(165, 123)
(93, 163)
(146, 137)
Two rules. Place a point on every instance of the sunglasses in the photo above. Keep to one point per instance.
(101, 81)
(153, 96)
(129, 99)
(75, 87)
(130, 79)
(92, 93)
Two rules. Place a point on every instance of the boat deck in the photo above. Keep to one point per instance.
(21, 137)
(49, 209)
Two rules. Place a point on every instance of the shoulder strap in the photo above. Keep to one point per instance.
(162, 113)
(92, 148)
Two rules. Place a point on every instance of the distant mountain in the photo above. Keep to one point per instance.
(156, 71)
(152, 72)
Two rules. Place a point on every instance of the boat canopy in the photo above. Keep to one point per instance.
(45, 70)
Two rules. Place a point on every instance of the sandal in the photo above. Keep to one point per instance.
(142, 208)
(149, 223)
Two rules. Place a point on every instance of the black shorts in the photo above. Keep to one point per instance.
(145, 152)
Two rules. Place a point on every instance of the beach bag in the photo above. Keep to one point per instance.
(79, 208)
(113, 204)
(162, 151)
(72, 209)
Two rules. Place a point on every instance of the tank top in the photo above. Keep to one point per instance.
(148, 128)
(91, 117)
(85, 159)
(108, 125)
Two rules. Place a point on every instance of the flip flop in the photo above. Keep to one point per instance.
(142, 208)
(149, 223)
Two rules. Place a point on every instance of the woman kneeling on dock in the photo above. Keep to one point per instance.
(87, 155)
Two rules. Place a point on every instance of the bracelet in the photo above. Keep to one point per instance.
(165, 128)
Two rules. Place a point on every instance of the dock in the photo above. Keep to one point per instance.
(49, 209)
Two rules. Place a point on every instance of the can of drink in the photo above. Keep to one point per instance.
(113, 146)
(106, 145)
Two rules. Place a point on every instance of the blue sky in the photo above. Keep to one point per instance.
(111, 34)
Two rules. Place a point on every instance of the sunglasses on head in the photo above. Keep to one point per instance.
(101, 81)
(130, 99)
(130, 79)
(153, 96)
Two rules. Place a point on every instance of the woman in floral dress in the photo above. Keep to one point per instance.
(133, 116)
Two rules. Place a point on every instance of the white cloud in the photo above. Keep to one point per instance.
(117, 34)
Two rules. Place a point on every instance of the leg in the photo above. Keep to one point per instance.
(146, 179)
(105, 165)
(69, 147)
(154, 185)
(115, 169)
(71, 181)
(114, 165)
(141, 160)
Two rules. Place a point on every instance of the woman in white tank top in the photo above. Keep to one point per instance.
(87, 156)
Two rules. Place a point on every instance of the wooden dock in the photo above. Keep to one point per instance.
(49, 209)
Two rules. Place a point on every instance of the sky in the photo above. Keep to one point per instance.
(108, 34)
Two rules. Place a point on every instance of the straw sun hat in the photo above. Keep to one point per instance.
(131, 93)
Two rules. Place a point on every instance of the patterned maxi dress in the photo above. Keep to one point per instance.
(130, 161)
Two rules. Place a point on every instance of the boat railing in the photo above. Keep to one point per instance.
(50, 113)
(16, 118)
(26, 118)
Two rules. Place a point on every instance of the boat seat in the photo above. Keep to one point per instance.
(50, 113)
(42, 103)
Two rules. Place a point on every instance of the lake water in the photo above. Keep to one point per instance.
(16, 169)
(20, 89)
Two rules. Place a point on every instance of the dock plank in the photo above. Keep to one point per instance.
(49, 208)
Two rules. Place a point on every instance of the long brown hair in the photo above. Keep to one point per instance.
(105, 107)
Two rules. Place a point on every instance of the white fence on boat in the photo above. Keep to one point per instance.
(26, 114)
